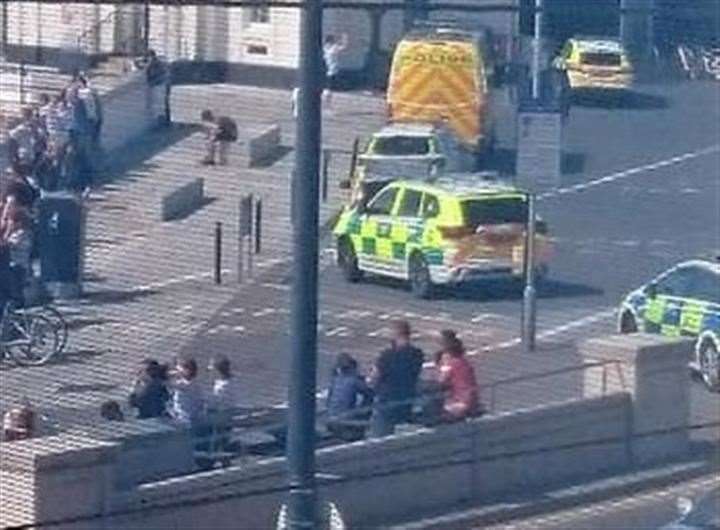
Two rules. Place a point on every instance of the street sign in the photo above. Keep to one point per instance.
(540, 148)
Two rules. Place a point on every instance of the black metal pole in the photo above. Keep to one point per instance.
(218, 253)
(258, 226)
(325, 169)
(146, 24)
(302, 509)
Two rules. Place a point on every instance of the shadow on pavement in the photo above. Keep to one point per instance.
(78, 389)
(629, 100)
(573, 163)
(119, 163)
(117, 297)
(277, 155)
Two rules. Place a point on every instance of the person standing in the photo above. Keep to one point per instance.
(222, 402)
(461, 396)
(187, 406)
(93, 111)
(394, 379)
(332, 48)
(220, 131)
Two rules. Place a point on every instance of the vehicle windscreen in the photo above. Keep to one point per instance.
(478, 212)
(601, 59)
(401, 145)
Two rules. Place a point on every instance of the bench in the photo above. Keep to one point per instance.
(182, 200)
(263, 146)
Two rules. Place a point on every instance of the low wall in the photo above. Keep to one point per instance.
(183, 200)
(375, 481)
(263, 146)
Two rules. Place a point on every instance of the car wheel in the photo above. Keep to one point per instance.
(709, 362)
(420, 281)
(347, 261)
(628, 324)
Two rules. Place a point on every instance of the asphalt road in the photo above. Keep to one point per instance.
(642, 194)
(643, 511)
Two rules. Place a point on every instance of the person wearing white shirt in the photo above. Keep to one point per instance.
(187, 406)
(332, 48)
(223, 400)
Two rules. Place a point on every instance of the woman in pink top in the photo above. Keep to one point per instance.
(457, 377)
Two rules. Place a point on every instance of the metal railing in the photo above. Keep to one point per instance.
(492, 388)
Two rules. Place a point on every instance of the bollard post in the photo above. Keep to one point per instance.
(353, 158)
(529, 294)
(218, 253)
(244, 230)
(258, 226)
(325, 166)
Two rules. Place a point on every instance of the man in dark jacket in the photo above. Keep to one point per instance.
(150, 394)
(394, 379)
(221, 131)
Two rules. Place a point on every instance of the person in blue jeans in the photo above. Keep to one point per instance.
(394, 379)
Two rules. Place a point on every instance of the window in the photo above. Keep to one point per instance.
(260, 15)
(410, 203)
(704, 285)
(494, 211)
(383, 203)
(256, 49)
(431, 207)
(401, 145)
(601, 59)
(675, 283)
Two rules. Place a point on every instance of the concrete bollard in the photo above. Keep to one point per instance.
(653, 370)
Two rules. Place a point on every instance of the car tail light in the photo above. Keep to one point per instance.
(456, 232)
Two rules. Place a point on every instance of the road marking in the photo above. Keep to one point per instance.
(630, 172)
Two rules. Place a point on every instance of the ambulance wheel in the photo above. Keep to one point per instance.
(420, 281)
(628, 323)
(347, 261)
(709, 362)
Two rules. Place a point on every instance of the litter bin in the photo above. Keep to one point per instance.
(61, 240)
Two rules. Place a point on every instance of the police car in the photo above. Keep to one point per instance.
(595, 63)
(452, 230)
(682, 301)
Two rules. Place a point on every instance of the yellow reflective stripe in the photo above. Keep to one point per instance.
(692, 316)
(655, 311)
(399, 232)
(670, 330)
(383, 248)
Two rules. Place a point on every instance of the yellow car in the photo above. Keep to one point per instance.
(456, 229)
(595, 63)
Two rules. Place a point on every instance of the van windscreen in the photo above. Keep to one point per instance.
(478, 212)
(401, 145)
(601, 59)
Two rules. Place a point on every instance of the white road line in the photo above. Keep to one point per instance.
(632, 171)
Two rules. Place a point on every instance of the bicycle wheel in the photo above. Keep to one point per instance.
(40, 340)
(58, 320)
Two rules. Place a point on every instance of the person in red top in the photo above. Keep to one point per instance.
(457, 377)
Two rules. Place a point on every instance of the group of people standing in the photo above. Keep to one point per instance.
(58, 139)
(391, 390)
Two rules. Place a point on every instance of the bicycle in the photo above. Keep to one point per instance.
(57, 319)
(27, 337)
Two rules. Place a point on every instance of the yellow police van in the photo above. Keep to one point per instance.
(440, 75)
(453, 230)
(595, 63)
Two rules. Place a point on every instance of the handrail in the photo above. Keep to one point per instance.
(96, 27)
(559, 371)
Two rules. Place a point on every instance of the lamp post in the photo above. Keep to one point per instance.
(302, 502)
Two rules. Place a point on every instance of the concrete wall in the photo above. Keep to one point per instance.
(376, 481)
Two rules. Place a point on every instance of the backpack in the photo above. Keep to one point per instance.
(228, 129)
